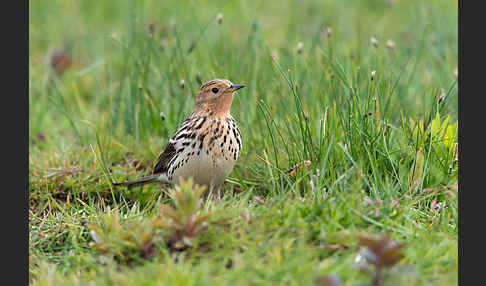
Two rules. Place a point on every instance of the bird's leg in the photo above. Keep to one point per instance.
(164, 191)
(213, 192)
(218, 193)
(206, 194)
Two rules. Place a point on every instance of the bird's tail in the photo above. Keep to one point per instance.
(139, 182)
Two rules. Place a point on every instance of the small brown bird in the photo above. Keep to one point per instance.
(205, 146)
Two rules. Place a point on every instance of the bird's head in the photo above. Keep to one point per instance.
(215, 97)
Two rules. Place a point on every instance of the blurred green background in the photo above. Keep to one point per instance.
(114, 53)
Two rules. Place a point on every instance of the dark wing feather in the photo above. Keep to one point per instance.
(161, 166)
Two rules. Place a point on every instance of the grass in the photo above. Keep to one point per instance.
(105, 94)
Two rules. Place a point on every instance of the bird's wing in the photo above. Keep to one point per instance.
(162, 164)
(175, 144)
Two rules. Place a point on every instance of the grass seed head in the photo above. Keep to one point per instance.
(327, 32)
(442, 96)
(219, 18)
(374, 42)
(298, 167)
(300, 46)
(373, 73)
(274, 55)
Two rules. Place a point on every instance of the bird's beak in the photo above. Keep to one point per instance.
(235, 87)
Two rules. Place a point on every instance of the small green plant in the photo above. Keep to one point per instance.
(125, 241)
(174, 227)
(442, 132)
(185, 220)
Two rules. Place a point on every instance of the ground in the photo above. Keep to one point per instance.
(349, 124)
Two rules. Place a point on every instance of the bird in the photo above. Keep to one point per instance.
(205, 146)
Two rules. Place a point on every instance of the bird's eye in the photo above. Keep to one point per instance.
(215, 90)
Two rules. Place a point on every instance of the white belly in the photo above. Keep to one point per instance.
(206, 169)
